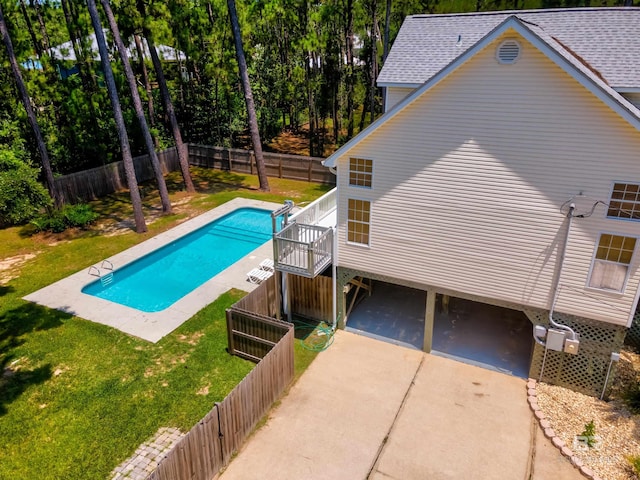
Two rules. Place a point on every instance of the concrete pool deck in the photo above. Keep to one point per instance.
(66, 294)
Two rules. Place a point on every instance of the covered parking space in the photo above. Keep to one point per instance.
(486, 335)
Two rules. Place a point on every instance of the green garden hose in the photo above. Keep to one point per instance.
(315, 337)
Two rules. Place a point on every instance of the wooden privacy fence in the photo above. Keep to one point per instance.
(255, 335)
(98, 182)
(209, 445)
(294, 167)
(252, 330)
(311, 297)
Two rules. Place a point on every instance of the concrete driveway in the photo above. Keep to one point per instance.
(366, 409)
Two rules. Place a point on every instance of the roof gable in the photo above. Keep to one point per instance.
(537, 37)
(606, 38)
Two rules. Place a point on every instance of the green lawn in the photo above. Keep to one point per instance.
(77, 398)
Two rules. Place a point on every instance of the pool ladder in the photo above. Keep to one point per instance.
(105, 278)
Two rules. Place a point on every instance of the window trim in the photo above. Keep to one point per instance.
(611, 199)
(629, 265)
(351, 185)
(346, 237)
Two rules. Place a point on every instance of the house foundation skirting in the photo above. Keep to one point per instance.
(633, 334)
(585, 372)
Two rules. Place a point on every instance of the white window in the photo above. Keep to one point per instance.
(358, 221)
(610, 267)
(625, 201)
(360, 172)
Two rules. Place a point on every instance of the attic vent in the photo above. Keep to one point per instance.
(508, 52)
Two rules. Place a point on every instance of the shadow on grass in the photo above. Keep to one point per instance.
(14, 325)
(4, 290)
(117, 206)
(209, 180)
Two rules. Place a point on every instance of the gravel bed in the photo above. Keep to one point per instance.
(617, 429)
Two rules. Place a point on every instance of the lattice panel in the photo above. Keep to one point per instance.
(633, 334)
(587, 371)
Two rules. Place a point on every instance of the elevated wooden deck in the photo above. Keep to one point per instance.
(305, 246)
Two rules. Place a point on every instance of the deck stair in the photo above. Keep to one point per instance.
(360, 286)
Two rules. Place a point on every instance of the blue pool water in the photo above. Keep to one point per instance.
(159, 279)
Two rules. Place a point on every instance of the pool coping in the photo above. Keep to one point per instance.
(66, 294)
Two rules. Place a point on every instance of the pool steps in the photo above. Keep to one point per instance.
(105, 278)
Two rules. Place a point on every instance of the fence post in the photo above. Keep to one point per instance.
(310, 168)
(280, 166)
(230, 332)
(251, 157)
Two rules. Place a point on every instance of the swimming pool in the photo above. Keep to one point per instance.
(159, 279)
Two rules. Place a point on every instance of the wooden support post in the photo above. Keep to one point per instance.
(429, 320)
(230, 344)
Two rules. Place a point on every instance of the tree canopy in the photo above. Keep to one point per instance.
(312, 68)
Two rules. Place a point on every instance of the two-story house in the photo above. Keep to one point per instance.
(506, 171)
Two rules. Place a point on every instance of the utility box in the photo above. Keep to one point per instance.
(571, 346)
(555, 339)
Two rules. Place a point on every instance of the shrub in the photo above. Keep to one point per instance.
(634, 463)
(21, 195)
(589, 433)
(632, 398)
(80, 215)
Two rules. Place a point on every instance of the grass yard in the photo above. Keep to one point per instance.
(77, 398)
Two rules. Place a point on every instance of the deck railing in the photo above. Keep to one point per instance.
(313, 213)
(303, 249)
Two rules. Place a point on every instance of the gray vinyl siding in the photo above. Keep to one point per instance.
(395, 95)
(469, 180)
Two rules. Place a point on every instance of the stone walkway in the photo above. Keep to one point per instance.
(146, 458)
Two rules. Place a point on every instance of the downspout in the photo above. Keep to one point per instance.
(334, 266)
(334, 278)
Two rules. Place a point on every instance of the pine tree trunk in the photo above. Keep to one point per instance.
(181, 147)
(137, 105)
(350, 77)
(43, 28)
(136, 201)
(385, 48)
(34, 40)
(374, 59)
(248, 97)
(145, 79)
(31, 116)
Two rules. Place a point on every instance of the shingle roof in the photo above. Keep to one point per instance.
(607, 39)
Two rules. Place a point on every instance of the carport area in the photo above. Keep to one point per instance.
(489, 336)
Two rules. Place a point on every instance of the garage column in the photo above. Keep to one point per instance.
(429, 319)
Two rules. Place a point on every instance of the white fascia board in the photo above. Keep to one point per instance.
(399, 85)
(627, 89)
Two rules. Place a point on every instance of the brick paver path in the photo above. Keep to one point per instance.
(146, 458)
